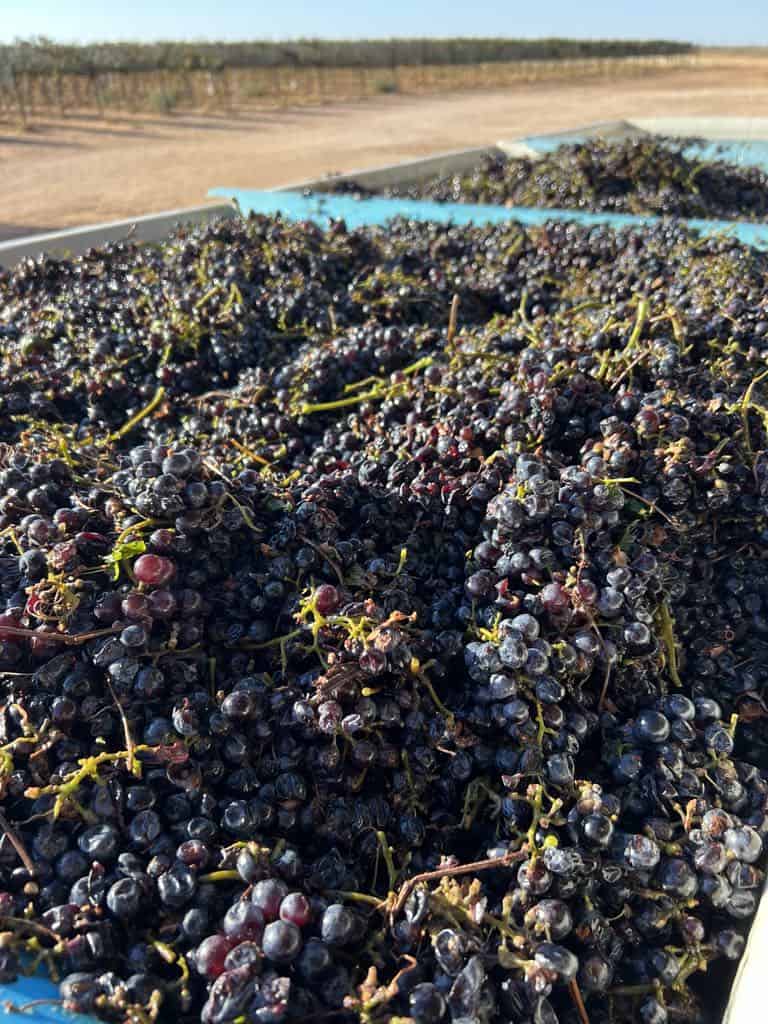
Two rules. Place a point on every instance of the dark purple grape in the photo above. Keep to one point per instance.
(282, 941)
(595, 974)
(743, 843)
(268, 895)
(651, 727)
(677, 878)
(243, 922)
(730, 944)
(551, 918)
(426, 1004)
(124, 898)
(557, 959)
(652, 1011)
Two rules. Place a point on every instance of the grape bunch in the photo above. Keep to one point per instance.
(383, 618)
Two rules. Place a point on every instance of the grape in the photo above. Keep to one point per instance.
(595, 974)
(338, 926)
(244, 954)
(597, 829)
(327, 599)
(715, 823)
(744, 843)
(651, 727)
(552, 918)
(296, 909)
(642, 853)
(282, 941)
(124, 898)
(730, 943)
(314, 960)
(268, 896)
(426, 1003)
(211, 954)
(557, 959)
(676, 877)
(153, 570)
(652, 1012)
(243, 922)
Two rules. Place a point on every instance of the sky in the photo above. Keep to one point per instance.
(699, 21)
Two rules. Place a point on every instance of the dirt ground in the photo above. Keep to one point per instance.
(86, 170)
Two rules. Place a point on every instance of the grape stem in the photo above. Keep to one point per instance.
(63, 638)
(453, 319)
(130, 746)
(148, 409)
(18, 845)
(578, 1001)
(452, 871)
(18, 924)
(223, 875)
(668, 638)
(323, 554)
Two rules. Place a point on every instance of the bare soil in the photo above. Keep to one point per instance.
(72, 171)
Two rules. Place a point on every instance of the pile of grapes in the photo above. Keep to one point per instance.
(383, 624)
(637, 176)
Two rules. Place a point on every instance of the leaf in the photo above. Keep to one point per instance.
(124, 552)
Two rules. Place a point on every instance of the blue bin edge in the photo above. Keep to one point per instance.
(15, 997)
(379, 210)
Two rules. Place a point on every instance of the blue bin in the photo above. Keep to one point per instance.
(321, 207)
(750, 152)
(41, 997)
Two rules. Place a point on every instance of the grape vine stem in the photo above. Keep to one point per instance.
(453, 319)
(578, 1001)
(452, 871)
(18, 846)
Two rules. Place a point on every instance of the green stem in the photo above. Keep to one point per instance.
(359, 897)
(148, 409)
(387, 854)
(340, 403)
(643, 308)
(745, 405)
(225, 875)
(668, 636)
(361, 384)
(209, 295)
(420, 364)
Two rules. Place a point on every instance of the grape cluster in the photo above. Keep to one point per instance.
(652, 175)
(383, 619)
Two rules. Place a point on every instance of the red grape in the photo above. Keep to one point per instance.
(211, 954)
(295, 908)
(154, 570)
(327, 599)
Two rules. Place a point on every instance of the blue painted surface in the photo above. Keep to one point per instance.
(28, 990)
(379, 210)
(549, 143)
(735, 151)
